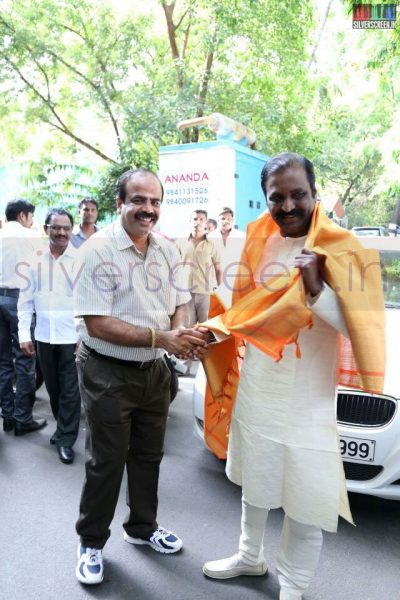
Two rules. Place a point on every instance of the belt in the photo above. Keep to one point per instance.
(13, 292)
(136, 364)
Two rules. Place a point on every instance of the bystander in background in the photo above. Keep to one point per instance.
(17, 247)
(49, 296)
(88, 212)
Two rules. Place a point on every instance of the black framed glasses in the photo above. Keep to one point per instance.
(58, 228)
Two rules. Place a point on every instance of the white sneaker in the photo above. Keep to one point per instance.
(232, 567)
(89, 569)
(290, 595)
(161, 540)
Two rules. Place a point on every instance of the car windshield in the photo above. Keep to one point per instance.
(367, 232)
(390, 263)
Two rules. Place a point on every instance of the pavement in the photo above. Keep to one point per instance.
(39, 499)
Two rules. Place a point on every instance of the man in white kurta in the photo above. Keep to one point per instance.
(283, 445)
(286, 409)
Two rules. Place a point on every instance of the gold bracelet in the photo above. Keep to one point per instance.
(153, 337)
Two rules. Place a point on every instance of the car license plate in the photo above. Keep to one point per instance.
(357, 448)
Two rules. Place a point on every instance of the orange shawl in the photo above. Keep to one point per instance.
(272, 315)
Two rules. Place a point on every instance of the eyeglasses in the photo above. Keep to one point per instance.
(58, 228)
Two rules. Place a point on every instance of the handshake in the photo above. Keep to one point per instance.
(186, 342)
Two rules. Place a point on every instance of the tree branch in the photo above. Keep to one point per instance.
(181, 19)
(96, 87)
(204, 84)
(79, 140)
(171, 28)
(186, 40)
(169, 12)
(85, 38)
(206, 76)
(62, 126)
(347, 193)
(71, 30)
(321, 30)
(43, 72)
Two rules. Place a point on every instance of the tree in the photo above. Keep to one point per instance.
(67, 61)
(356, 114)
(375, 210)
(55, 184)
(230, 57)
(67, 58)
(352, 165)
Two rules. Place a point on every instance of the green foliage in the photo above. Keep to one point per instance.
(50, 184)
(83, 84)
(144, 154)
(70, 61)
(376, 210)
(393, 270)
(391, 278)
(106, 194)
(356, 143)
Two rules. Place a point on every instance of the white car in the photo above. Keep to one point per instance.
(369, 424)
(369, 231)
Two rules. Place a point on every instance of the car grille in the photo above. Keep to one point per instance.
(358, 472)
(200, 423)
(361, 409)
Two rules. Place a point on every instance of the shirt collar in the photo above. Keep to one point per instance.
(124, 241)
(14, 225)
(79, 231)
(203, 239)
(69, 252)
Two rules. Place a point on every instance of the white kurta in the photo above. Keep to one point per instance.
(283, 443)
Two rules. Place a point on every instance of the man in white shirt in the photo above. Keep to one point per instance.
(16, 250)
(230, 243)
(230, 240)
(49, 295)
(88, 212)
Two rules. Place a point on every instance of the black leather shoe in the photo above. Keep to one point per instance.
(53, 439)
(23, 428)
(8, 424)
(66, 454)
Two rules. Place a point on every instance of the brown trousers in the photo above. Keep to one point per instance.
(198, 308)
(126, 410)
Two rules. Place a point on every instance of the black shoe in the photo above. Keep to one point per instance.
(8, 424)
(23, 428)
(53, 439)
(66, 454)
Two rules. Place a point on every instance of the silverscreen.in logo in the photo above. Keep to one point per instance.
(374, 16)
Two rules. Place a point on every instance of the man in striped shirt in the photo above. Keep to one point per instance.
(132, 308)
